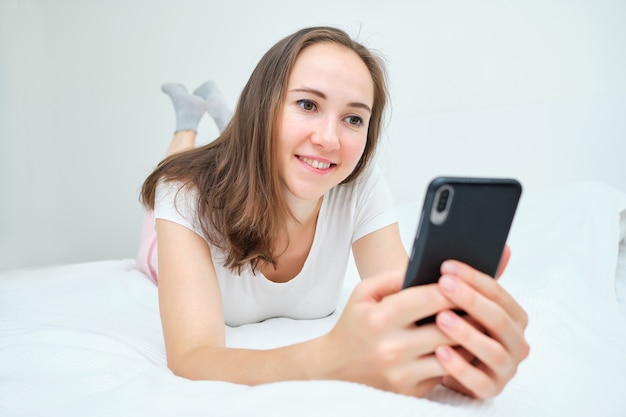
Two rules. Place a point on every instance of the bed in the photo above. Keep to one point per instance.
(85, 339)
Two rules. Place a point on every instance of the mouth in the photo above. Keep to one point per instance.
(316, 163)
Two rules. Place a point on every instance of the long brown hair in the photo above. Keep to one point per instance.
(240, 207)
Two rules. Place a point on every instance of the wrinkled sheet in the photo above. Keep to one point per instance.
(85, 339)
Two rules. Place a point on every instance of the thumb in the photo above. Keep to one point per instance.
(377, 287)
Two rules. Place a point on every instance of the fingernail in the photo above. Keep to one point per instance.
(446, 319)
(443, 353)
(448, 283)
(449, 267)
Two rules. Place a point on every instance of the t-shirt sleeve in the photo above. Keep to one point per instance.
(375, 207)
(177, 202)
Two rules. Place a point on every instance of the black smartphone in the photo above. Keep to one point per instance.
(466, 219)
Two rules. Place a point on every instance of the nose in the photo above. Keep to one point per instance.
(326, 134)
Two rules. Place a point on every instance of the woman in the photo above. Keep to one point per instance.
(260, 223)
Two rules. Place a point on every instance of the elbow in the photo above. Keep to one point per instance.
(184, 368)
(175, 365)
(195, 364)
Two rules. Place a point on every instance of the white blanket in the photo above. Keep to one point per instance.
(85, 339)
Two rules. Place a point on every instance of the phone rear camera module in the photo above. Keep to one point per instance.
(441, 206)
(442, 203)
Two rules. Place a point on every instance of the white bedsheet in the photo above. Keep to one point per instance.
(85, 339)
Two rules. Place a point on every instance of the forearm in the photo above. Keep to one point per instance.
(374, 342)
(302, 361)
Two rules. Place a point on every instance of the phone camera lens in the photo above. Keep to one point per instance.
(443, 200)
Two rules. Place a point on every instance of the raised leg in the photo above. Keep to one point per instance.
(189, 109)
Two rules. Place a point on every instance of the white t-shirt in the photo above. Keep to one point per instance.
(348, 212)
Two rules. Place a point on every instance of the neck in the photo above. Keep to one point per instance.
(304, 211)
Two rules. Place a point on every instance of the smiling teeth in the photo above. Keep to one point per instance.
(316, 164)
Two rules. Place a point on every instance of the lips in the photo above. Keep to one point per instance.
(315, 163)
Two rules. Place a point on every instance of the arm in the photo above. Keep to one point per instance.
(193, 322)
(374, 341)
(380, 252)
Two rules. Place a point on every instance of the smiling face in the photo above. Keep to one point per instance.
(323, 123)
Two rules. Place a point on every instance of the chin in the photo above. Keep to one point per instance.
(306, 192)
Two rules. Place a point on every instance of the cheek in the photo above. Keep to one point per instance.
(281, 139)
(354, 149)
(288, 132)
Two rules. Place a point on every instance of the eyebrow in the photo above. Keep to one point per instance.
(323, 96)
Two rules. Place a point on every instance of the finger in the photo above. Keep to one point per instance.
(419, 377)
(472, 321)
(487, 350)
(423, 340)
(504, 261)
(466, 354)
(455, 385)
(489, 314)
(425, 387)
(487, 286)
(474, 379)
(411, 343)
(378, 287)
(412, 304)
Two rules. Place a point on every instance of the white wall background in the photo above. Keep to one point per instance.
(532, 89)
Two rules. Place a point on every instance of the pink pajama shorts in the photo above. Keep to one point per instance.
(146, 260)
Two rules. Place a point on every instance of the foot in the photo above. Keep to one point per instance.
(189, 108)
(215, 104)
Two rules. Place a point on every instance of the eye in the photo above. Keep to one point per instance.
(306, 105)
(354, 120)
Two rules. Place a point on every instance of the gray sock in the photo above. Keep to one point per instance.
(215, 103)
(218, 108)
(189, 108)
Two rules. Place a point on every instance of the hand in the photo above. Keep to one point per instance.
(450, 381)
(490, 339)
(376, 342)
